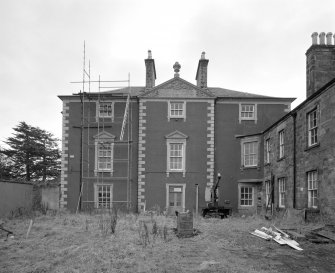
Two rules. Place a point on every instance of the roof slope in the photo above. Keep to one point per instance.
(218, 92)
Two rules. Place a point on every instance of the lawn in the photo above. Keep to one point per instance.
(66, 242)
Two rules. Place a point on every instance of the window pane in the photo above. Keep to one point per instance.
(250, 153)
(246, 196)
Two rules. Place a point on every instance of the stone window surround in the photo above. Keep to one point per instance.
(183, 194)
(176, 137)
(245, 185)
(281, 144)
(313, 171)
(254, 118)
(176, 117)
(246, 140)
(96, 199)
(111, 118)
(314, 108)
(283, 180)
(103, 137)
(267, 151)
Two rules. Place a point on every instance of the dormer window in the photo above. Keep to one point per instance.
(177, 109)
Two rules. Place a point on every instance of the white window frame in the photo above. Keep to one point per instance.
(246, 199)
(282, 191)
(171, 139)
(169, 156)
(267, 192)
(281, 142)
(170, 109)
(99, 113)
(104, 138)
(243, 109)
(312, 125)
(250, 141)
(96, 196)
(267, 151)
(312, 186)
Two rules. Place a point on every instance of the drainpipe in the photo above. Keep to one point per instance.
(196, 199)
(294, 158)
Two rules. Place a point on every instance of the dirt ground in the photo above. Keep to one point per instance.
(85, 243)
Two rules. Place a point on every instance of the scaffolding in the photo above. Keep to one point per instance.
(92, 126)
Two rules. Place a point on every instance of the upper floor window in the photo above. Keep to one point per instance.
(281, 144)
(176, 152)
(105, 110)
(176, 109)
(267, 151)
(282, 191)
(104, 156)
(312, 181)
(250, 153)
(104, 151)
(247, 112)
(312, 128)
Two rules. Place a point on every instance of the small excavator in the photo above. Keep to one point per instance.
(213, 209)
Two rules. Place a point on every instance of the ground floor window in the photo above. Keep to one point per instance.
(282, 191)
(267, 192)
(103, 196)
(246, 196)
(312, 181)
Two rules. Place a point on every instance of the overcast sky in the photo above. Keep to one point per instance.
(256, 46)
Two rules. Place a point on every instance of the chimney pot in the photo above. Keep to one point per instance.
(203, 55)
(329, 38)
(314, 38)
(149, 54)
(322, 38)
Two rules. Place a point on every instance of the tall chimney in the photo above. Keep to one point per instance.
(201, 76)
(150, 71)
(320, 63)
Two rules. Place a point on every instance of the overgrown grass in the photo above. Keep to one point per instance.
(118, 242)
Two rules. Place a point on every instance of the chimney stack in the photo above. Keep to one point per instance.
(150, 71)
(201, 76)
(320, 62)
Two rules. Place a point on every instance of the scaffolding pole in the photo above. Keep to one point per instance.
(86, 180)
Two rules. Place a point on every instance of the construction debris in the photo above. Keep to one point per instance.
(10, 234)
(277, 235)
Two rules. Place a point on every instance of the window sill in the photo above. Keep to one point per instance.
(312, 147)
(281, 158)
(176, 118)
(183, 172)
(249, 168)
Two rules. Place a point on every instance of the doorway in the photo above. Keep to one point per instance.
(175, 198)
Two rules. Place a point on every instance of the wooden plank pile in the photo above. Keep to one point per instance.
(276, 235)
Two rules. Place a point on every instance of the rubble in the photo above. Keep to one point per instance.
(277, 235)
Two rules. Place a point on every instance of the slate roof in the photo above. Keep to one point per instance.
(216, 91)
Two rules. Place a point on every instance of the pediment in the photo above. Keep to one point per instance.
(104, 136)
(176, 135)
(177, 88)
